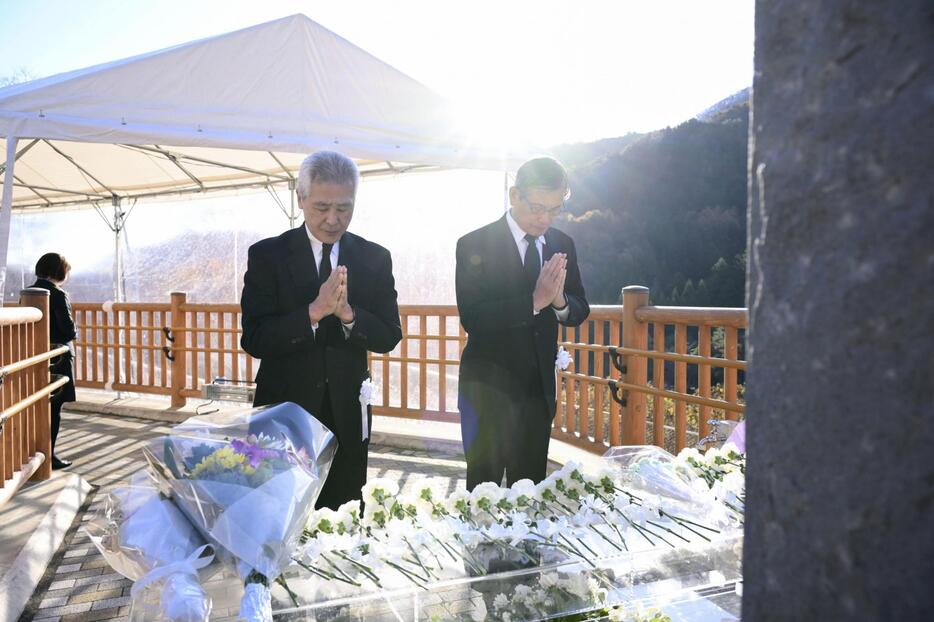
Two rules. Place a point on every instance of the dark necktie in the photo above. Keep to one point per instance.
(533, 263)
(325, 270)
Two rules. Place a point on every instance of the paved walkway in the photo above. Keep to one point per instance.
(79, 586)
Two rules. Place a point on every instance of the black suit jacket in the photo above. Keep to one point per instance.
(61, 332)
(508, 346)
(297, 365)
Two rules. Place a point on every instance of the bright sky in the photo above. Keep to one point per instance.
(551, 71)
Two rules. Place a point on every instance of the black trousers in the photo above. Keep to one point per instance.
(511, 439)
(348, 469)
(55, 405)
(56, 409)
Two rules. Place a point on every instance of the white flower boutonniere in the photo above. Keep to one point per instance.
(563, 360)
(367, 389)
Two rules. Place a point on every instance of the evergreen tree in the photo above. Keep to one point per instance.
(703, 296)
(668, 207)
(688, 295)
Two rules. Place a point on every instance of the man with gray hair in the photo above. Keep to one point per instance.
(315, 300)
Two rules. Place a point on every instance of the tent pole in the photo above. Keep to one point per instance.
(292, 215)
(118, 255)
(6, 210)
(505, 192)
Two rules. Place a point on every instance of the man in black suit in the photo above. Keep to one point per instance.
(315, 300)
(517, 278)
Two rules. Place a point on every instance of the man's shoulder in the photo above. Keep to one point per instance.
(365, 253)
(366, 246)
(274, 244)
(482, 234)
(559, 236)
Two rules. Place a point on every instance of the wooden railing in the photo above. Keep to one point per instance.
(665, 395)
(25, 432)
(637, 392)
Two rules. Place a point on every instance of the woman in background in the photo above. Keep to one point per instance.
(51, 272)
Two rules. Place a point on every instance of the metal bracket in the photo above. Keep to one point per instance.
(168, 353)
(616, 393)
(168, 333)
(617, 358)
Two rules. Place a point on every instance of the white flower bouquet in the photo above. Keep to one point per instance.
(144, 537)
(248, 481)
(525, 542)
(723, 470)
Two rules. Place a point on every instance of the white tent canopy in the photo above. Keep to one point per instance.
(234, 111)
(230, 111)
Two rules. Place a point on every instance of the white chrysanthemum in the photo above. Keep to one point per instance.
(565, 471)
(348, 515)
(500, 602)
(497, 531)
(690, 452)
(735, 481)
(324, 520)
(408, 500)
(309, 551)
(379, 489)
(337, 542)
(522, 593)
(451, 503)
(590, 480)
(519, 530)
(563, 359)
(487, 491)
(545, 489)
(546, 528)
(522, 488)
(585, 516)
(548, 579)
(711, 456)
(727, 448)
(375, 514)
(577, 585)
(428, 491)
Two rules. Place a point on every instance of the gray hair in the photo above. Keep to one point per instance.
(328, 167)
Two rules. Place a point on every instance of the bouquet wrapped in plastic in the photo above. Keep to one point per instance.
(248, 481)
(664, 482)
(143, 536)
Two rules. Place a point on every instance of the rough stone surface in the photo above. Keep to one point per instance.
(840, 393)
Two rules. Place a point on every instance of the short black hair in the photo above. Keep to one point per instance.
(52, 266)
(543, 172)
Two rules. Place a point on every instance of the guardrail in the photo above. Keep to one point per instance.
(641, 373)
(25, 430)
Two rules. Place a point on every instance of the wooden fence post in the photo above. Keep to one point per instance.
(42, 411)
(179, 325)
(635, 335)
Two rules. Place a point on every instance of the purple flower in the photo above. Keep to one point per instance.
(254, 453)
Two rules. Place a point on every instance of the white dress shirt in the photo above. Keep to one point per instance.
(317, 248)
(522, 245)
